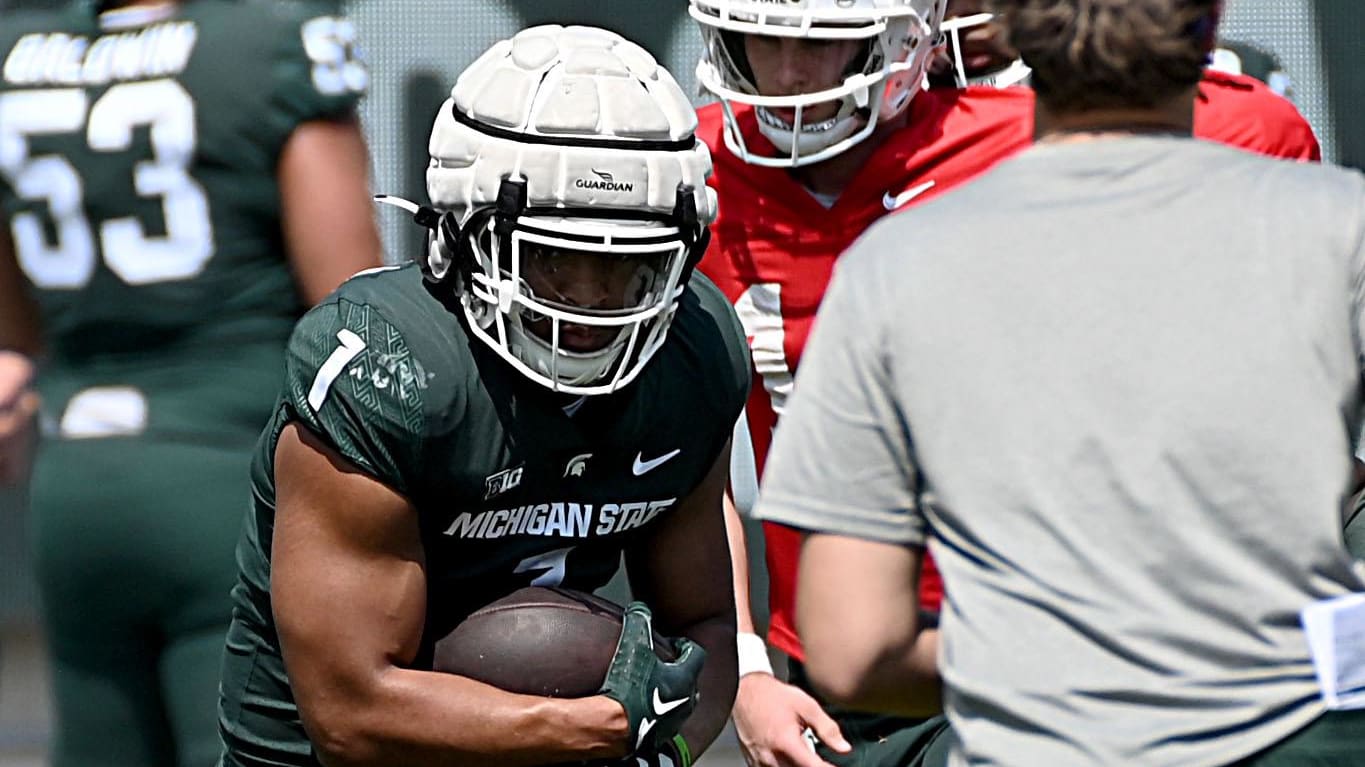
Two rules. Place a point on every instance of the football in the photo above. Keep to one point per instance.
(539, 641)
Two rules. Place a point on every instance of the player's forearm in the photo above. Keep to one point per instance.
(719, 681)
(902, 681)
(857, 609)
(421, 718)
(739, 565)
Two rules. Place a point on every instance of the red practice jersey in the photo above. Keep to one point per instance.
(1244, 112)
(774, 245)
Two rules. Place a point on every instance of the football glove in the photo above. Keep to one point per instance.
(673, 753)
(658, 696)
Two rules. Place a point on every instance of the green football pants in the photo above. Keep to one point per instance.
(133, 545)
(1335, 739)
(880, 741)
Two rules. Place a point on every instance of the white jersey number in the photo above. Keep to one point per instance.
(168, 109)
(551, 562)
(759, 309)
(330, 43)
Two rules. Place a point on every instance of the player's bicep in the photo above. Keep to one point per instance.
(329, 221)
(682, 570)
(348, 580)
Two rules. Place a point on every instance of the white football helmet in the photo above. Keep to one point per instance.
(1016, 72)
(900, 37)
(566, 140)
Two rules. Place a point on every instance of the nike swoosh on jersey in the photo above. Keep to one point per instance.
(893, 202)
(642, 466)
(661, 707)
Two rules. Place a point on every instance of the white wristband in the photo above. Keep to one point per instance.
(753, 654)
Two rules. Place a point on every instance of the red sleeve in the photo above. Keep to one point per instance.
(1243, 112)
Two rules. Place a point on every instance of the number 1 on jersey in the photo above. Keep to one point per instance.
(552, 562)
(351, 345)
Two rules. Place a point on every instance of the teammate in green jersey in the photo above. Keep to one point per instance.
(178, 182)
(551, 386)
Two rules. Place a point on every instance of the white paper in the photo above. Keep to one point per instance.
(1336, 638)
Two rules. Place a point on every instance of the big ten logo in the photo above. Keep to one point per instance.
(497, 484)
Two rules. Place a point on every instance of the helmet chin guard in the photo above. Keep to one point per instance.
(900, 37)
(569, 141)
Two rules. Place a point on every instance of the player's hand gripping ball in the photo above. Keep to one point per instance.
(658, 694)
(563, 643)
(539, 641)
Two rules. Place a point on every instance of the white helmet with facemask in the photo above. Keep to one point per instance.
(898, 35)
(560, 144)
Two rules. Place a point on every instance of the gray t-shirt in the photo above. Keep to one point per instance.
(1117, 383)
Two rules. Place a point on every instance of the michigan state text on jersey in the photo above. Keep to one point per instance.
(548, 388)
(150, 159)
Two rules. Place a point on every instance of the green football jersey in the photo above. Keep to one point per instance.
(138, 156)
(510, 489)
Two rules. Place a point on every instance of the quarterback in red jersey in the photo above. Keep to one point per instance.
(775, 244)
(821, 128)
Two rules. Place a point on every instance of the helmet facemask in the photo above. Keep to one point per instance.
(877, 86)
(1014, 72)
(576, 300)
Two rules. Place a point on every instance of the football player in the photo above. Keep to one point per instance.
(549, 387)
(1243, 98)
(821, 128)
(178, 181)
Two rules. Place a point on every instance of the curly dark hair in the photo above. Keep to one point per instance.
(1097, 54)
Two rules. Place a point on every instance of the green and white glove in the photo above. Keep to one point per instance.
(674, 753)
(658, 696)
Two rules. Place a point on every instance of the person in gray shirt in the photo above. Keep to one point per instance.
(1114, 386)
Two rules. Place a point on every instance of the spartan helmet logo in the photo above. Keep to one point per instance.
(577, 465)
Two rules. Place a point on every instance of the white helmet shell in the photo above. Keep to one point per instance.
(597, 140)
(900, 36)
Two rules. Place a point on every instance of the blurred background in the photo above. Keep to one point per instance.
(416, 47)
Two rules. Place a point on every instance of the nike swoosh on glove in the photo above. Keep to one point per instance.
(658, 696)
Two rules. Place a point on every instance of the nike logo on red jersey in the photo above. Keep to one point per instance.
(893, 202)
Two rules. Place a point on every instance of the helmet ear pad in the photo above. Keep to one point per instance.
(457, 243)
(454, 257)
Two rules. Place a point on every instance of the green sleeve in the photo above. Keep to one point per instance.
(319, 71)
(351, 379)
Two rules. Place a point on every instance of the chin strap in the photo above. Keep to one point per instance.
(422, 214)
(442, 224)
